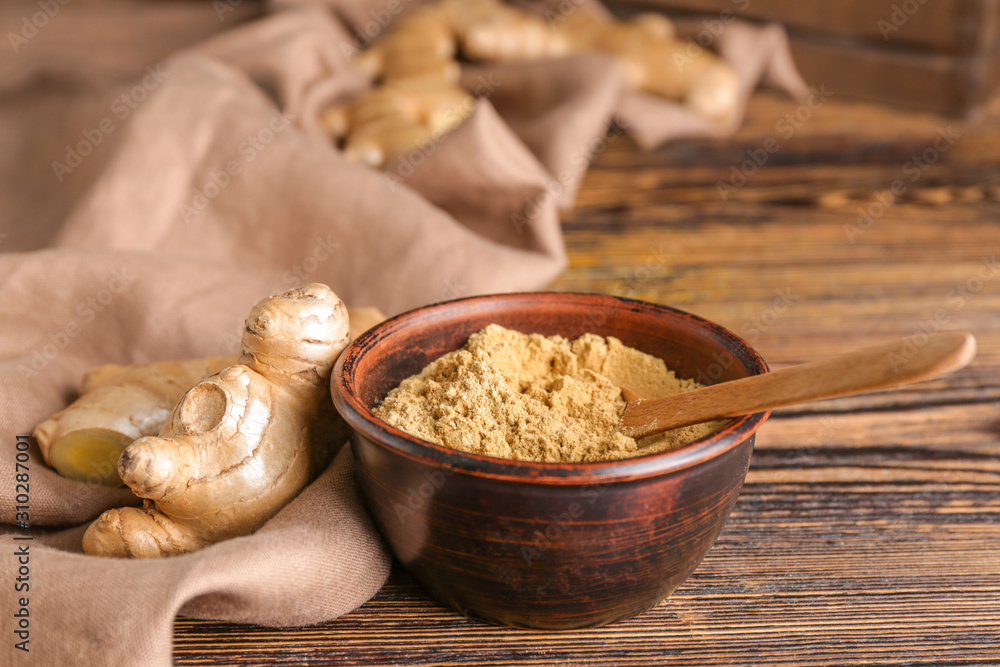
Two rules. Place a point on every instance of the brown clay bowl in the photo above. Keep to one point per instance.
(543, 545)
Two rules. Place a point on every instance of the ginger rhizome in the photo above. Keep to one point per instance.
(120, 403)
(417, 97)
(656, 62)
(390, 121)
(117, 405)
(239, 444)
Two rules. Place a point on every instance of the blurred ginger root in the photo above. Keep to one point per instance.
(415, 67)
(655, 61)
(386, 123)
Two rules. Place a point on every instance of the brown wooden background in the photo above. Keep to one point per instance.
(941, 56)
(869, 528)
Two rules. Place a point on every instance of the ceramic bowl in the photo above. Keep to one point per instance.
(545, 545)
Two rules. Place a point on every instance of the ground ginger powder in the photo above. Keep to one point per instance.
(536, 398)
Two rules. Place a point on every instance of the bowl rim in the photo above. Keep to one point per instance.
(364, 423)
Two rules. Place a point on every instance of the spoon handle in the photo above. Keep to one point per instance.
(858, 372)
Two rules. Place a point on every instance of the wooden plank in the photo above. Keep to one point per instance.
(834, 46)
(954, 85)
(867, 530)
(946, 26)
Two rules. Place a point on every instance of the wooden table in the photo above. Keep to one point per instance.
(869, 528)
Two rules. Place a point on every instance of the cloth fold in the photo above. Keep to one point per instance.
(319, 558)
(162, 170)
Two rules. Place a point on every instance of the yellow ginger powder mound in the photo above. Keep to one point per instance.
(536, 398)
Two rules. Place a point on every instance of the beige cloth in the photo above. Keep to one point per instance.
(161, 170)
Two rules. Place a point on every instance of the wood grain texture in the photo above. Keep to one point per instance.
(949, 26)
(955, 85)
(942, 56)
(868, 531)
(908, 360)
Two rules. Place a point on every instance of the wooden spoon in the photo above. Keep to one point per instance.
(870, 369)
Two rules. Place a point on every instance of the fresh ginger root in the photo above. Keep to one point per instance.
(426, 40)
(117, 405)
(421, 43)
(398, 117)
(237, 447)
(655, 61)
(120, 403)
(416, 70)
(495, 31)
(419, 98)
